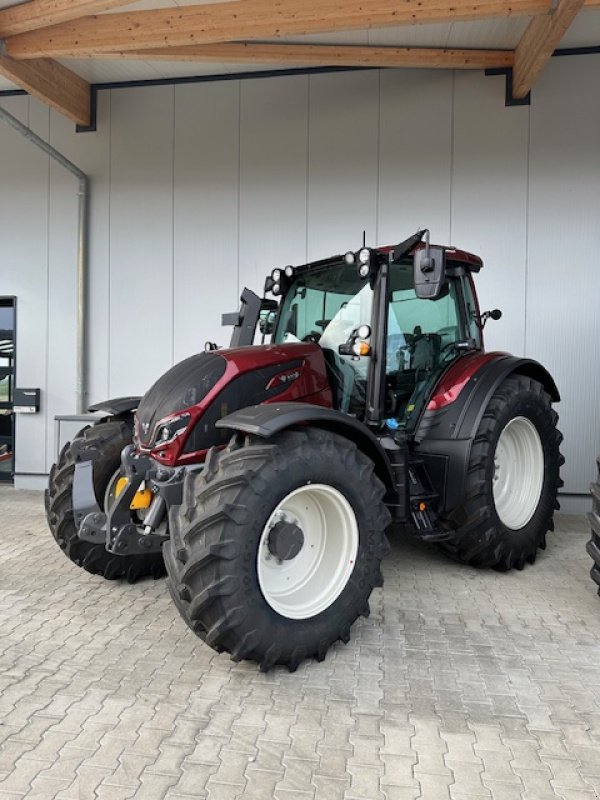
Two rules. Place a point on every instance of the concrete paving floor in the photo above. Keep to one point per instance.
(461, 684)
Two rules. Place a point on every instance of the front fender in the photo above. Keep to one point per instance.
(118, 405)
(271, 418)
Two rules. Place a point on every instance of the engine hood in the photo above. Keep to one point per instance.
(179, 388)
(194, 383)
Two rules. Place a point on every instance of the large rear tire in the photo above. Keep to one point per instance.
(593, 546)
(104, 443)
(277, 546)
(512, 480)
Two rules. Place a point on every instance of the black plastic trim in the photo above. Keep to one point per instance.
(117, 405)
(446, 461)
(270, 418)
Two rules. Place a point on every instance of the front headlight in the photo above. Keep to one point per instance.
(168, 431)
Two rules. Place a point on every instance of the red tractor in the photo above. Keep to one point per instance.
(267, 475)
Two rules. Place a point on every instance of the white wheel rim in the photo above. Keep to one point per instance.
(518, 473)
(307, 584)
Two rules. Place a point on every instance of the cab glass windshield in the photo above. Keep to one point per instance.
(326, 305)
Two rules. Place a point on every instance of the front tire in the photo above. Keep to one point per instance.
(512, 480)
(277, 546)
(104, 443)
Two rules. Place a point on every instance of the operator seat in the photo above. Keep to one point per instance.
(424, 350)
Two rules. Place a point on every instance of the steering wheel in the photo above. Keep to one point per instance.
(447, 347)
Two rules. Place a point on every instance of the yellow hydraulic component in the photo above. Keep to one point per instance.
(141, 499)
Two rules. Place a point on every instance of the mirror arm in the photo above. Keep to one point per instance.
(427, 263)
(406, 246)
(494, 314)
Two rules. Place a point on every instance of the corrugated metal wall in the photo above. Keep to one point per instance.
(200, 189)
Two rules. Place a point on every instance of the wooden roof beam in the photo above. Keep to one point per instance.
(247, 20)
(40, 13)
(53, 84)
(537, 44)
(329, 55)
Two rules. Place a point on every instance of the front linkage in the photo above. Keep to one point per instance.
(120, 533)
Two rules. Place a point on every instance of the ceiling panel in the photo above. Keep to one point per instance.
(493, 33)
(502, 33)
(584, 31)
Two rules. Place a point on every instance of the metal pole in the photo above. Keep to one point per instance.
(83, 228)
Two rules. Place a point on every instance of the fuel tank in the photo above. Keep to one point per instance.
(175, 420)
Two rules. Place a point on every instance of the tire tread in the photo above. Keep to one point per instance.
(104, 442)
(479, 539)
(204, 556)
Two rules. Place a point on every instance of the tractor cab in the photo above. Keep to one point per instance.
(389, 322)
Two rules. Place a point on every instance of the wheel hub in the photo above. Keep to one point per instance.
(518, 475)
(307, 551)
(285, 540)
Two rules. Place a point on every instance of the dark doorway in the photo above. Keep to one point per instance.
(8, 319)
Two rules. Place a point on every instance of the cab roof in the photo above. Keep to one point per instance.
(458, 257)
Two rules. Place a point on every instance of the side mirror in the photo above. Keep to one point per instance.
(429, 271)
(494, 314)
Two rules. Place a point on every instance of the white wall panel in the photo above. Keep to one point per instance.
(343, 132)
(24, 266)
(200, 189)
(489, 199)
(415, 154)
(141, 237)
(563, 291)
(273, 176)
(205, 212)
(90, 152)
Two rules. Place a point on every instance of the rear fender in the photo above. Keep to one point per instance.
(446, 431)
(272, 418)
(460, 417)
